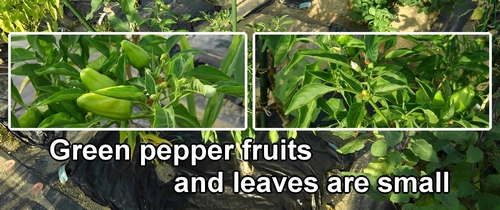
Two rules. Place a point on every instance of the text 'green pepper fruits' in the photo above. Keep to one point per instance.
(94, 80)
(137, 56)
(31, 118)
(117, 109)
(438, 100)
(462, 99)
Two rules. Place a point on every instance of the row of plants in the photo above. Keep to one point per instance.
(74, 91)
(441, 81)
(378, 14)
(472, 158)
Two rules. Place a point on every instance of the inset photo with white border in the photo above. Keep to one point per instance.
(372, 81)
(128, 81)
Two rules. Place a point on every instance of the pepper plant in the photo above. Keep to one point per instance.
(471, 158)
(341, 81)
(74, 91)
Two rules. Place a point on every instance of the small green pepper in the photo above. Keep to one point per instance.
(117, 109)
(94, 80)
(137, 56)
(342, 39)
(438, 100)
(462, 99)
(31, 118)
(58, 120)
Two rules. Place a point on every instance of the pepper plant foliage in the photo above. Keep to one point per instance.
(342, 81)
(74, 91)
(472, 159)
(28, 15)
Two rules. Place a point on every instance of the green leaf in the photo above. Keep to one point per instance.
(356, 114)
(150, 83)
(27, 69)
(296, 58)
(126, 92)
(327, 56)
(154, 44)
(128, 7)
(398, 53)
(466, 189)
(208, 73)
(423, 149)
(387, 89)
(371, 45)
(334, 107)
(273, 136)
(118, 24)
(450, 200)
(352, 82)
(402, 197)
(473, 154)
(120, 70)
(392, 137)
(306, 115)
(379, 148)
(164, 117)
(427, 90)
(447, 114)
(184, 119)
(231, 88)
(284, 45)
(306, 94)
(101, 47)
(378, 167)
(61, 68)
(65, 95)
(488, 201)
(15, 95)
(352, 146)
(94, 5)
(21, 54)
(493, 180)
(325, 76)
(343, 134)
(478, 13)
(430, 117)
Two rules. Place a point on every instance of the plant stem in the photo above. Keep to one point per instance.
(234, 16)
(184, 45)
(378, 110)
(78, 15)
(264, 83)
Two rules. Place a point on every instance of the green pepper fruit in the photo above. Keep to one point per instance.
(462, 99)
(58, 120)
(438, 100)
(117, 109)
(31, 118)
(342, 39)
(126, 92)
(480, 42)
(94, 80)
(137, 56)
